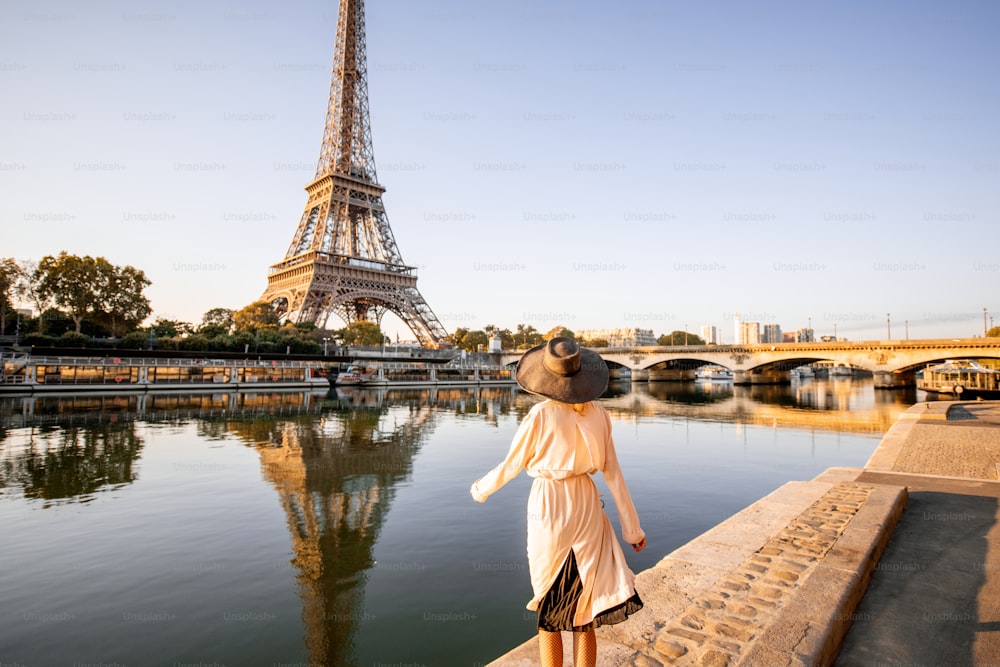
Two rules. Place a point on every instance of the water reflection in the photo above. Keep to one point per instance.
(335, 463)
(837, 405)
(488, 402)
(65, 410)
(62, 465)
(336, 478)
(71, 446)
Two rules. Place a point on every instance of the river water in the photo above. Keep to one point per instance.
(292, 529)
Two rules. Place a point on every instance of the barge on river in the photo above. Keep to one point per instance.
(376, 374)
(24, 373)
(961, 377)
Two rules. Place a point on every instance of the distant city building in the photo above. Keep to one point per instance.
(804, 336)
(625, 337)
(748, 333)
(710, 334)
(788, 337)
(771, 334)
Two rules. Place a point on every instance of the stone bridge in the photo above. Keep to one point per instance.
(894, 363)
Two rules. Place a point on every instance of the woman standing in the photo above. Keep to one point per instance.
(578, 571)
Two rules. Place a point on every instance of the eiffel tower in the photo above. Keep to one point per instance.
(343, 258)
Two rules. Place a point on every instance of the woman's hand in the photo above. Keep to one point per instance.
(640, 545)
(474, 492)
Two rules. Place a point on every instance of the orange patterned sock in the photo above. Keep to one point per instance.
(584, 649)
(550, 648)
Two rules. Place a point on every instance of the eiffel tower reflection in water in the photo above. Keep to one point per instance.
(336, 478)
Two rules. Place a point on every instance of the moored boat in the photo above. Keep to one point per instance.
(714, 374)
(961, 377)
(24, 373)
(417, 373)
(355, 374)
(802, 373)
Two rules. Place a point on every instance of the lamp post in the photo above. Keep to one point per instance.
(888, 327)
(984, 323)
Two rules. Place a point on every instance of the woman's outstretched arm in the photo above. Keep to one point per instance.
(521, 449)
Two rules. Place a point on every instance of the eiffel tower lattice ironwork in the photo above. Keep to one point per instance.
(343, 258)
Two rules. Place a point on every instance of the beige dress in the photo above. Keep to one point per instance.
(561, 447)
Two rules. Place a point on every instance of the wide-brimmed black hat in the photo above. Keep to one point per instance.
(563, 371)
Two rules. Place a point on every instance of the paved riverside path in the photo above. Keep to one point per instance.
(784, 581)
(935, 596)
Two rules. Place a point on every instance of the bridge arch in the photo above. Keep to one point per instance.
(931, 359)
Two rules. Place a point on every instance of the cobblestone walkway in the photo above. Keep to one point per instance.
(719, 627)
(953, 450)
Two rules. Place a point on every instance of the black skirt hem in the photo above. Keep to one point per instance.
(558, 607)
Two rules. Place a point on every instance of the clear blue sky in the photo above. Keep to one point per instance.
(654, 164)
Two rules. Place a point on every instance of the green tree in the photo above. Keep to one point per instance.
(74, 339)
(299, 339)
(526, 336)
(134, 340)
(163, 328)
(472, 340)
(506, 339)
(558, 331)
(70, 283)
(9, 274)
(216, 321)
(994, 332)
(467, 339)
(92, 287)
(28, 289)
(121, 304)
(680, 338)
(361, 333)
(56, 321)
(456, 336)
(255, 317)
(194, 342)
